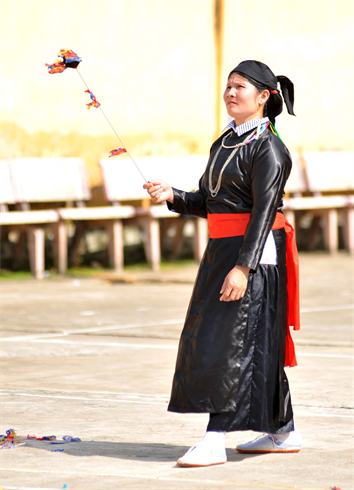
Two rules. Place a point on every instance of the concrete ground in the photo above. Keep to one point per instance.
(94, 359)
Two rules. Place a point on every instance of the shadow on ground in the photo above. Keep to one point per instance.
(126, 450)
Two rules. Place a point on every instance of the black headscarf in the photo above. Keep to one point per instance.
(261, 73)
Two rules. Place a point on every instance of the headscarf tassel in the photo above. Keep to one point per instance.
(287, 89)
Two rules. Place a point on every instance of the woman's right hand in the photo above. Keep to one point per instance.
(159, 191)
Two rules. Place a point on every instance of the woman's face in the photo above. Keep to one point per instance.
(242, 99)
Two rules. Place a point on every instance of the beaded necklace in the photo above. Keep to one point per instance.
(251, 137)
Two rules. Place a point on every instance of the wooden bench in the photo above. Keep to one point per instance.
(40, 182)
(63, 181)
(329, 171)
(31, 223)
(304, 191)
(122, 182)
(327, 180)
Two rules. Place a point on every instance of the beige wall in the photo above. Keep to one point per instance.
(151, 64)
(312, 43)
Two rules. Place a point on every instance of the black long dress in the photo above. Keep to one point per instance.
(230, 361)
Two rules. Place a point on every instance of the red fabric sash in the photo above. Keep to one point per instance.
(226, 225)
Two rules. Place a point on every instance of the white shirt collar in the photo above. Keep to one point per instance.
(247, 126)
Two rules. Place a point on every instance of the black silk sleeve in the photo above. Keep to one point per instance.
(270, 170)
(190, 203)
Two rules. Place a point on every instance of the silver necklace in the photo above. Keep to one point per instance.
(214, 191)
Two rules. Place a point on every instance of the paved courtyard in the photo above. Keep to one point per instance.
(94, 358)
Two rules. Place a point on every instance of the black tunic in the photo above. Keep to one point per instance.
(231, 354)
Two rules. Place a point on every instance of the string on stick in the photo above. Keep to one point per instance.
(115, 132)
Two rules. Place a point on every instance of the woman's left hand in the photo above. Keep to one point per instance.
(235, 284)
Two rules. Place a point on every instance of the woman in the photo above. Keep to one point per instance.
(236, 341)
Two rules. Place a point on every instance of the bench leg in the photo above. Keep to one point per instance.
(331, 231)
(115, 245)
(60, 247)
(200, 239)
(36, 251)
(349, 230)
(152, 241)
(290, 216)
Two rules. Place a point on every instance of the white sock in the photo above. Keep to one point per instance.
(215, 441)
(289, 437)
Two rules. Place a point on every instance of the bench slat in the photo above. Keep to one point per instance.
(28, 217)
(159, 211)
(49, 179)
(296, 182)
(123, 181)
(330, 170)
(7, 195)
(318, 202)
(103, 212)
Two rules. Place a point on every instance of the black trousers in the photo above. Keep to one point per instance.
(221, 422)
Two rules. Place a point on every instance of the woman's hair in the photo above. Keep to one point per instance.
(274, 105)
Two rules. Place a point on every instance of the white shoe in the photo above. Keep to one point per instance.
(201, 455)
(270, 443)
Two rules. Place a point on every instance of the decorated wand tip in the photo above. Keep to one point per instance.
(117, 151)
